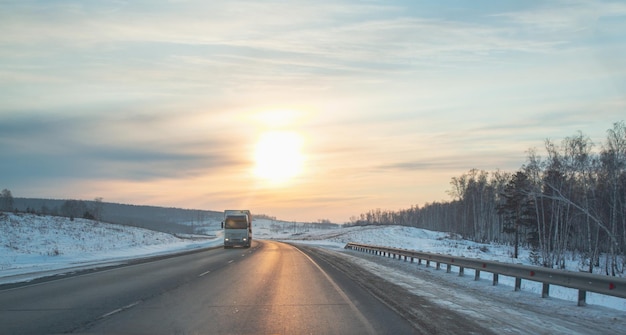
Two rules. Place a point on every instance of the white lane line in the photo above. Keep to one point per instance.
(120, 309)
(344, 296)
(232, 260)
(204, 273)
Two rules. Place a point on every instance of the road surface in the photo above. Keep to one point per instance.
(271, 288)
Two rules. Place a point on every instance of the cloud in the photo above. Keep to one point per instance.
(343, 36)
(459, 162)
(565, 16)
(121, 53)
(94, 147)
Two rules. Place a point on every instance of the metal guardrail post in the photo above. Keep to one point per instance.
(545, 290)
(582, 298)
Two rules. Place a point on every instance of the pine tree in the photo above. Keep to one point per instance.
(517, 210)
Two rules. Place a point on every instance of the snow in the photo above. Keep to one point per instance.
(443, 243)
(33, 246)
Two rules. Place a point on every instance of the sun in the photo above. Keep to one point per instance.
(278, 156)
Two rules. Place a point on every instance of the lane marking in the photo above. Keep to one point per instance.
(345, 297)
(120, 309)
(204, 273)
(232, 260)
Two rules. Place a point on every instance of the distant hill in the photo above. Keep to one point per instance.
(164, 219)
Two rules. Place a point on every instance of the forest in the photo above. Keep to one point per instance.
(568, 202)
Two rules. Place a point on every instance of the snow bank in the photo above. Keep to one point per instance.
(444, 243)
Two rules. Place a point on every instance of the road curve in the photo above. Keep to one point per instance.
(271, 288)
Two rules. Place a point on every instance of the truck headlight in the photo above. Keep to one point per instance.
(245, 239)
(226, 239)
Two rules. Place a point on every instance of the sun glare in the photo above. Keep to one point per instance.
(278, 156)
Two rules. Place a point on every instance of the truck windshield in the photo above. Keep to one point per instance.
(236, 223)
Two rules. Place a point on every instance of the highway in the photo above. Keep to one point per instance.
(271, 288)
(277, 288)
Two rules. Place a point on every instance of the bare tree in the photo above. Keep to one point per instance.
(97, 208)
(613, 159)
(6, 200)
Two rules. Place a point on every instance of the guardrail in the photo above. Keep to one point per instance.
(583, 282)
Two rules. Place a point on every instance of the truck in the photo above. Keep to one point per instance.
(237, 227)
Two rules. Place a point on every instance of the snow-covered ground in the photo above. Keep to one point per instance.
(443, 243)
(32, 246)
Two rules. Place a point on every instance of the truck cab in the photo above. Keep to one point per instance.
(237, 226)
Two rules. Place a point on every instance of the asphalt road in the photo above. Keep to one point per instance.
(271, 288)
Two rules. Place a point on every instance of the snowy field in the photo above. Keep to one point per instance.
(33, 246)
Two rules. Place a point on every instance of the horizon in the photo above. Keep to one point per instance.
(302, 111)
(37, 210)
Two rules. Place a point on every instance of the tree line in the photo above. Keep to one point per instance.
(571, 200)
(70, 208)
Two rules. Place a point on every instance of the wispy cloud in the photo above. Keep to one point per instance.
(565, 16)
(98, 148)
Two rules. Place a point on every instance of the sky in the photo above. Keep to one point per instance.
(303, 110)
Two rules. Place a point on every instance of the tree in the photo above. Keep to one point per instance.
(518, 210)
(582, 167)
(73, 208)
(613, 159)
(97, 208)
(6, 200)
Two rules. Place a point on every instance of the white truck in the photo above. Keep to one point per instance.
(237, 226)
